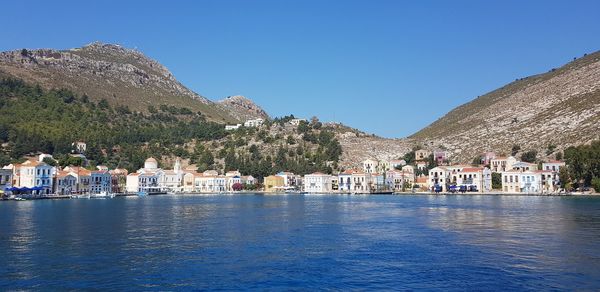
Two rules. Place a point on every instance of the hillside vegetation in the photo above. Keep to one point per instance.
(34, 120)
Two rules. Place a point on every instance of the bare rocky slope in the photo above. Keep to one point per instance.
(560, 108)
(242, 108)
(106, 71)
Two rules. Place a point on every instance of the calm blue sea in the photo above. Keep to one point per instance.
(295, 242)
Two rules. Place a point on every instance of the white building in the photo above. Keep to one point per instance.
(248, 180)
(500, 164)
(172, 180)
(370, 165)
(79, 146)
(472, 179)
(253, 123)
(345, 181)
(146, 179)
(35, 174)
(438, 179)
(297, 122)
(361, 182)
(515, 181)
(554, 166)
(317, 183)
(232, 127)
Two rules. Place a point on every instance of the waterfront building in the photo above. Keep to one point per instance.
(439, 177)
(83, 176)
(361, 182)
(248, 180)
(232, 180)
(345, 181)
(554, 166)
(118, 180)
(66, 183)
(421, 182)
(408, 171)
(500, 164)
(132, 182)
(188, 181)
(253, 123)
(477, 179)
(6, 179)
(394, 180)
(35, 174)
(317, 183)
(290, 180)
(516, 181)
(172, 180)
(273, 183)
(100, 181)
(146, 179)
(15, 169)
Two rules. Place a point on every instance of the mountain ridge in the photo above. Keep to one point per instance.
(554, 108)
(120, 75)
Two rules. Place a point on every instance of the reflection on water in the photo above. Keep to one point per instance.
(285, 242)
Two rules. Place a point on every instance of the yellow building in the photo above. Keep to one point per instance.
(274, 183)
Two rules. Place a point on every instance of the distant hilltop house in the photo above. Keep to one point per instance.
(79, 146)
(254, 123)
(297, 122)
(422, 154)
(232, 127)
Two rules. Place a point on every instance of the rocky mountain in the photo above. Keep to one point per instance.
(106, 71)
(559, 108)
(242, 108)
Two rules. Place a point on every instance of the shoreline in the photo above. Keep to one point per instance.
(63, 197)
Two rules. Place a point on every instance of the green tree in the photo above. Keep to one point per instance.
(515, 149)
(496, 180)
(49, 161)
(529, 156)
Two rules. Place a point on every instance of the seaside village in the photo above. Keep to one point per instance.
(36, 178)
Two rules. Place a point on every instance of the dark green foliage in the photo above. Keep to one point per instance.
(303, 127)
(515, 149)
(496, 180)
(529, 156)
(477, 160)
(583, 164)
(596, 184)
(33, 121)
(50, 161)
(550, 149)
(409, 157)
(559, 156)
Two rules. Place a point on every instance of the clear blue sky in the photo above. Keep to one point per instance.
(387, 67)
